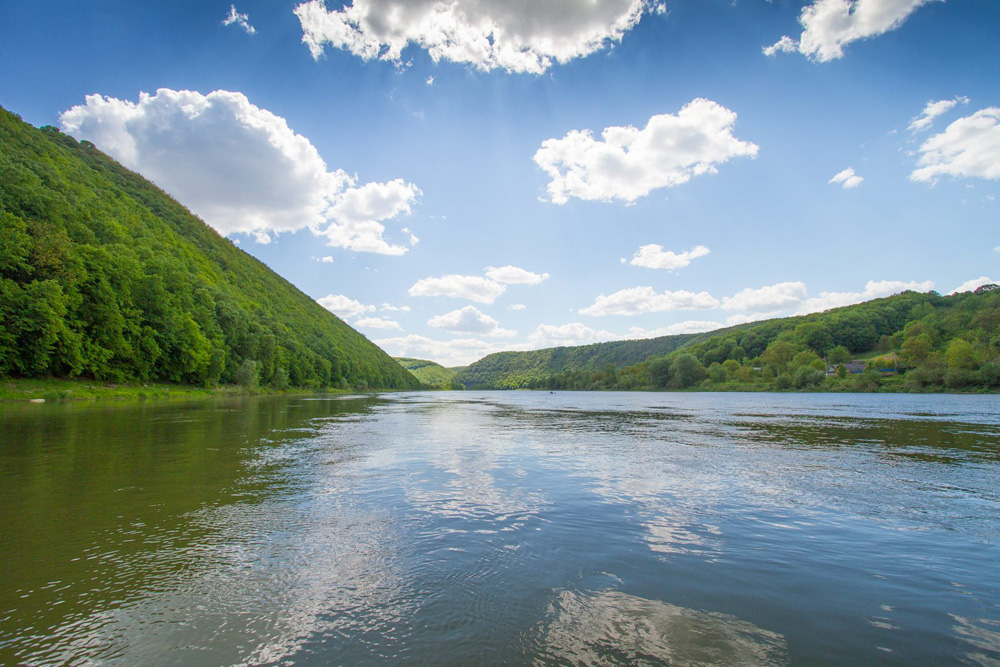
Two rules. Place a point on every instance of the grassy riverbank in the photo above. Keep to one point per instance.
(52, 389)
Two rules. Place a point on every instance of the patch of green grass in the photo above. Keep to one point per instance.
(54, 389)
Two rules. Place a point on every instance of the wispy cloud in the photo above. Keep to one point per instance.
(242, 20)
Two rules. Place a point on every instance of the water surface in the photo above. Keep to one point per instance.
(503, 527)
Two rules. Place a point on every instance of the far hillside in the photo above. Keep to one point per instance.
(430, 374)
(516, 370)
(906, 342)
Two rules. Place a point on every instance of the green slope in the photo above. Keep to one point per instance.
(910, 341)
(103, 275)
(514, 370)
(430, 374)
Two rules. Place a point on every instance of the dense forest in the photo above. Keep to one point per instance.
(104, 276)
(516, 370)
(431, 375)
(907, 342)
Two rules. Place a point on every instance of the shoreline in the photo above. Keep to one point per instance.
(30, 390)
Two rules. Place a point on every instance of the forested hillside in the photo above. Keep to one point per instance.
(431, 375)
(514, 370)
(908, 342)
(103, 275)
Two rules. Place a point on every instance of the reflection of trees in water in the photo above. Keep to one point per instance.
(612, 628)
(118, 500)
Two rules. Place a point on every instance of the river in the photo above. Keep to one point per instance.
(457, 528)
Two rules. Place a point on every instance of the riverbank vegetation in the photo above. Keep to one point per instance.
(104, 276)
(907, 342)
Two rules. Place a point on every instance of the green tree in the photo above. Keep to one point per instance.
(777, 356)
(917, 349)
(686, 371)
(838, 355)
(961, 354)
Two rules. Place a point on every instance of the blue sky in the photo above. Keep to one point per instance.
(456, 177)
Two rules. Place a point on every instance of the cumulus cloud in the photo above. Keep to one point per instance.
(628, 163)
(971, 285)
(513, 36)
(652, 256)
(931, 111)
(512, 275)
(874, 289)
(847, 178)
(469, 320)
(344, 307)
(639, 300)
(770, 298)
(242, 20)
(575, 333)
(746, 318)
(456, 352)
(240, 167)
(784, 45)
(686, 327)
(377, 323)
(521, 306)
(473, 288)
(830, 25)
(388, 307)
(969, 147)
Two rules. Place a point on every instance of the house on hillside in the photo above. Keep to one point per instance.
(852, 368)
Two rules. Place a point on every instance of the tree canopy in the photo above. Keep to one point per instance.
(103, 275)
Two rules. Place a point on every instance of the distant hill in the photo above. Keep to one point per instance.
(514, 370)
(906, 342)
(430, 374)
(103, 275)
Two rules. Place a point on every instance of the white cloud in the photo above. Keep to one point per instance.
(512, 275)
(343, 307)
(456, 352)
(469, 320)
(242, 20)
(784, 45)
(830, 25)
(874, 289)
(377, 323)
(240, 167)
(639, 300)
(971, 285)
(356, 214)
(575, 333)
(652, 256)
(261, 237)
(514, 36)
(521, 306)
(326, 259)
(473, 288)
(770, 298)
(931, 111)
(628, 163)
(847, 178)
(968, 147)
(745, 318)
(689, 326)
(388, 307)
(429, 81)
